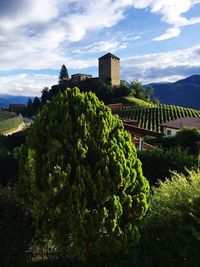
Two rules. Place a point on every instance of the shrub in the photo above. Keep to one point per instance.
(158, 163)
(16, 230)
(80, 176)
(171, 229)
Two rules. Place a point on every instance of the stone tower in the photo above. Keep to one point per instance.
(109, 69)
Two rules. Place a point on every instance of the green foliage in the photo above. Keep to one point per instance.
(130, 100)
(81, 178)
(9, 157)
(10, 124)
(4, 115)
(171, 229)
(188, 138)
(158, 163)
(151, 118)
(16, 230)
(140, 91)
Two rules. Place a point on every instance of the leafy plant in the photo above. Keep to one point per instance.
(81, 178)
(171, 229)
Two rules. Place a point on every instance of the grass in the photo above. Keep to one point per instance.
(130, 100)
(9, 121)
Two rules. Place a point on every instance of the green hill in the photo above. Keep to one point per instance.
(151, 117)
(130, 100)
(9, 121)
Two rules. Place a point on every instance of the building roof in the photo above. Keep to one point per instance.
(183, 122)
(109, 55)
(16, 106)
(80, 74)
(137, 131)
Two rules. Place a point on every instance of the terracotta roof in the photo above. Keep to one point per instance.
(183, 122)
(108, 55)
(17, 106)
(115, 105)
(140, 131)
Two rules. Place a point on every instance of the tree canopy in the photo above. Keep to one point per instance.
(80, 176)
(63, 74)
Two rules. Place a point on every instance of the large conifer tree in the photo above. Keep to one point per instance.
(80, 176)
(63, 74)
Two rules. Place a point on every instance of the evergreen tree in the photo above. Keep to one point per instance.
(80, 176)
(63, 74)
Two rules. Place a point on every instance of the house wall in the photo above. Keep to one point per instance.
(173, 131)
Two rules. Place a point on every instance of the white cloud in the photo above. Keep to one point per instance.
(166, 66)
(170, 66)
(38, 34)
(173, 32)
(26, 84)
(171, 12)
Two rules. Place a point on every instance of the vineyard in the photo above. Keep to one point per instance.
(151, 118)
(9, 121)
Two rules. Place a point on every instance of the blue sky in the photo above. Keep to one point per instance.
(157, 40)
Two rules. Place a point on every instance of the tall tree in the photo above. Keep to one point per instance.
(80, 176)
(63, 74)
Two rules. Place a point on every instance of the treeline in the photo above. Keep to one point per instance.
(82, 199)
(104, 91)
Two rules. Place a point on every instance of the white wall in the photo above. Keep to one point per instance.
(173, 131)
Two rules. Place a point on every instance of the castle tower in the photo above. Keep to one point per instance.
(109, 69)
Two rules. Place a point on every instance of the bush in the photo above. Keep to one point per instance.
(171, 229)
(188, 139)
(16, 230)
(81, 178)
(157, 164)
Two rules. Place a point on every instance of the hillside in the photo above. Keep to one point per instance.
(9, 121)
(151, 118)
(184, 92)
(6, 100)
(130, 100)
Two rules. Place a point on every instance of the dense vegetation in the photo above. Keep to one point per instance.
(16, 230)
(172, 226)
(83, 183)
(9, 146)
(9, 121)
(158, 163)
(133, 101)
(151, 118)
(80, 177)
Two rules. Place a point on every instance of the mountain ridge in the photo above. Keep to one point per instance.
(6, 100)
(184, 92)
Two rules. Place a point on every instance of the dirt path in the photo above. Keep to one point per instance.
(21, 127)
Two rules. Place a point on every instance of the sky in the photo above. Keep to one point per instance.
(156, 40)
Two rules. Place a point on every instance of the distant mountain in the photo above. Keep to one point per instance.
(5, 100)
(184, 92)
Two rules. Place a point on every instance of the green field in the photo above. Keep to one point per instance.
(151, 117)
(130, 100)
(9, 121)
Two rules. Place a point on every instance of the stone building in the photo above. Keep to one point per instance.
(78, 77)
(109, 69)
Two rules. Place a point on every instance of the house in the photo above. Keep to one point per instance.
(17, 107)
(170, 128)
(139, 133)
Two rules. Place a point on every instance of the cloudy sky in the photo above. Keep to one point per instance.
(157, 40)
